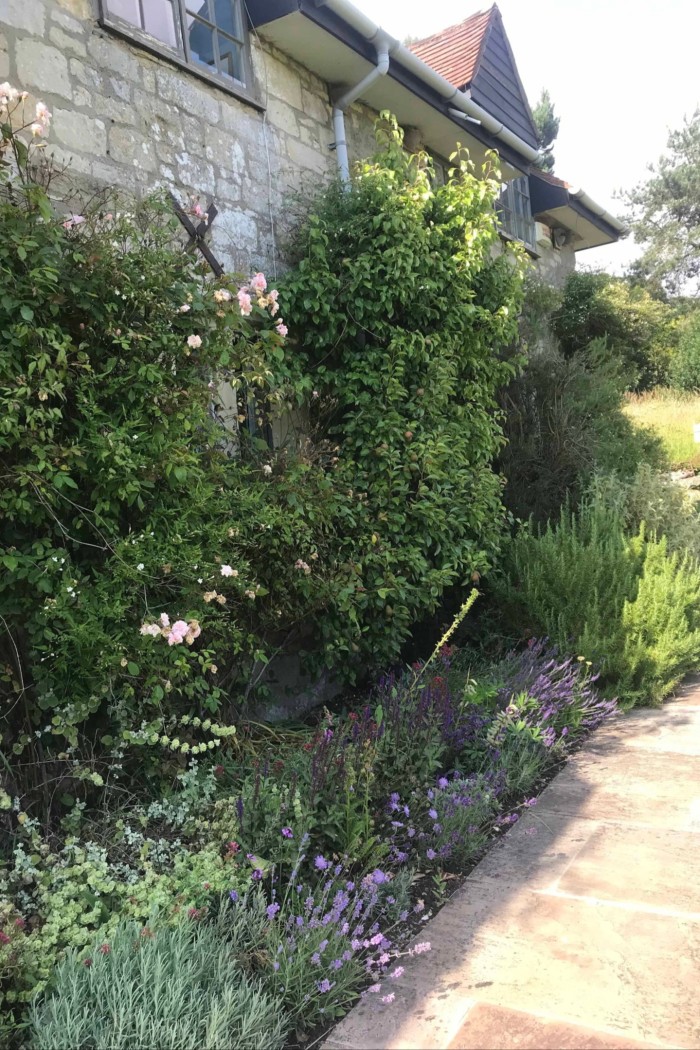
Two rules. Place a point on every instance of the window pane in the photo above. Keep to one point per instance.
(199, 7)
(160, 21)
(202, 44)
(227, 14)
(126, 9)
(231, 59)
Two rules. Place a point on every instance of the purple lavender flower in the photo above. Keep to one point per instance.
(388, 998)
(398, 972)
(275, 966)
(316, 959)
(337, 964)
(418, 949)
(325, 985)
(233, 895)
(272, 910)
(443, 782)
(257, 875)
(379, 877)
(430, 854)
(287, 833)
(432, 813)
(320, 863)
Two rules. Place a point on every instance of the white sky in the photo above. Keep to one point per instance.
(620, 73)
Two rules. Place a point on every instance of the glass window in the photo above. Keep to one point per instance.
(515, 213)
(208, 34)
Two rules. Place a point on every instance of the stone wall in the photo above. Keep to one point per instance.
(127, 118)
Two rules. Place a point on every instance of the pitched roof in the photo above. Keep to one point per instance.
(454, 52)
(476, 54)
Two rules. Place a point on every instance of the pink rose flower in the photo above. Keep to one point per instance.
(195, 341)
(259, 283)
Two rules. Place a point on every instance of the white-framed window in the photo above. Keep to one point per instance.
(207, 36)
(515, 212)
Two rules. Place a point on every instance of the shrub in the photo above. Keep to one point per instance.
(638, 327)
(624, 602)
(685, 366)
(653, 498)
(401, 314)
(563, 420)
(177, 989)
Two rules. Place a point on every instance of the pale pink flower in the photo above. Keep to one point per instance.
(198, 210)
(150, 629)
(250, 594)
(165, 620)
(299, 564)
(274, 309)
(37, 131)
(281, 328)
(8, 94)
(226, 570)
(267, 469)
(222, 295)
(245, 302)
(273, 296)
(43, 115)
(73, 220)
(177, 632)
(195, 341)
(185, 308)
(194, 631)
(259, 283)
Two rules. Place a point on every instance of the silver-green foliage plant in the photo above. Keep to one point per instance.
(624, 601)
(177, 989)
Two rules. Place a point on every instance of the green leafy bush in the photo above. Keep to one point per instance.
(180, 989)
(564, 420)
(653, 498)
(685, 365)
(624, 602)
(400, 311)
(639, 328)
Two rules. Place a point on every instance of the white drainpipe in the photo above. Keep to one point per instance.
(383, 45)
(459, 100)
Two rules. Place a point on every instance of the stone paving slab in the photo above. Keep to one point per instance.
(496, 1028)
(581, 927)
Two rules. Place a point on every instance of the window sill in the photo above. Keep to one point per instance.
(505, 236)
(155, 47)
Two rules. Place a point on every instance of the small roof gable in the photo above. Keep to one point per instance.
(476, 55)
(454, 52)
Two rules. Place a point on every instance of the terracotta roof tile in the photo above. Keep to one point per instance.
(454, 52)
(547, 176)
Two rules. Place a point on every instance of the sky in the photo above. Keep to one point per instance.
(621, 74)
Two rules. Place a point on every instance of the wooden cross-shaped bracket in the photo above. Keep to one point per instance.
(197, 233)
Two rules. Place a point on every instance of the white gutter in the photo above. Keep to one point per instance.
(383, 45)
(588, 202)
(458, 100)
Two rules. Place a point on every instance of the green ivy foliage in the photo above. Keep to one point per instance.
(402, 304)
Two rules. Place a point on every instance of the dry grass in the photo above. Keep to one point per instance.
(672, 415)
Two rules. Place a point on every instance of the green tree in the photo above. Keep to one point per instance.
(664, 212)
(638, 327)
(547, 126)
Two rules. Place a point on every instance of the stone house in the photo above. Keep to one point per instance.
(248, 102)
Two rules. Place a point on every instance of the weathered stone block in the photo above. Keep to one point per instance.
(113, 54)
(85, 74)
(119, 112)
(283, 117)
(80, 132)
(29, 15)
(128, 147)
(67, 22)
(66, 42)
(316, 106)
(281, 80)
(42, 67)
(189, 94)
(81, 9)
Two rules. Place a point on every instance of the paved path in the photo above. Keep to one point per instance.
(581, 928)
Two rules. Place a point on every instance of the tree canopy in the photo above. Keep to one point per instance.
(664, 212)
(547, 127)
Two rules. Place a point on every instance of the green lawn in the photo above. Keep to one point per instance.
(671, 415)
